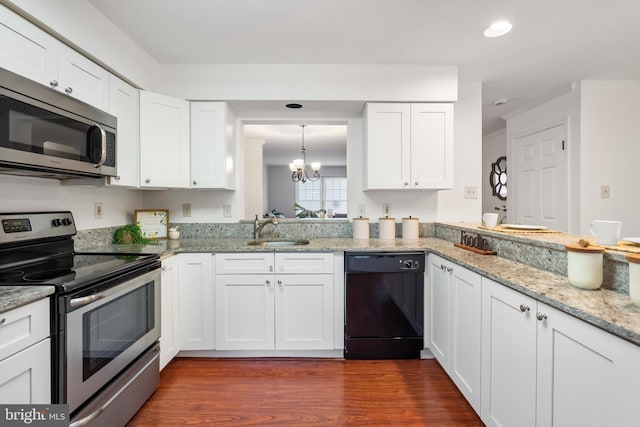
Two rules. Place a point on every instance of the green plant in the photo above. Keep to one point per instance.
(502, 209)
(305, 213)
(128, 234)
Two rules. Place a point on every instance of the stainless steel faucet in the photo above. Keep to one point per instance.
(258, 226)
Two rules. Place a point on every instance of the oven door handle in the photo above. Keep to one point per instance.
(80, 302)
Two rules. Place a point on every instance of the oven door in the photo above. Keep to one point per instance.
(107, 331)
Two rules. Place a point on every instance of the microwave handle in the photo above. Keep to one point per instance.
(103, 143)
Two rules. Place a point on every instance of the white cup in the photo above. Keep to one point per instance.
(606, 232)
(490, 219)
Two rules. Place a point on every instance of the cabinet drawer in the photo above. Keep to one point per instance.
(23, 326)
(244, 263)
(304, 263)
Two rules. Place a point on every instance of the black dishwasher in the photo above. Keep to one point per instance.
(384, 305)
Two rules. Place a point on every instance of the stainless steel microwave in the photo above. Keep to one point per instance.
(49, 134)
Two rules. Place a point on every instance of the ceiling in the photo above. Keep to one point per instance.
(553, 42)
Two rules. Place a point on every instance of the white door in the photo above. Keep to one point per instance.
(27, 50)
(25, 377)
(439, 277)
(539, 164)
(124, 103)
(169, 325)
(587, 377)
(195, 272)
(245, 312)
(304, 312)
(465, 298)
(508, 377)
(83, 79)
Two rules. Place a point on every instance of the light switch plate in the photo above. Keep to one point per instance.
(186, 210)
(470, 192)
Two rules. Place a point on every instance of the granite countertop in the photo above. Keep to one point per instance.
(15, 296)
(607, 309)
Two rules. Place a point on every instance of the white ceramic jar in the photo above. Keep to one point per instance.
(410, 228)
(387, 228)
(584, 266)
(634, 278)
(360, 228)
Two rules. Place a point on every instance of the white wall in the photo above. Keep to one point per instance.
(254, 194)
(22, 194)
(610, 152)
(494, 145)
(564, 107)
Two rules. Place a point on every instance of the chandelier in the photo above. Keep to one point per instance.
(299, 166)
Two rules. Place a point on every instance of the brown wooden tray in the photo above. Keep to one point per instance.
(476, 250)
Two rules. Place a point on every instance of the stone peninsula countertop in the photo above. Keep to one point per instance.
(607, 309)
(15, 296)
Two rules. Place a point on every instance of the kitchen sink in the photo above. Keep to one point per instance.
(278, 242)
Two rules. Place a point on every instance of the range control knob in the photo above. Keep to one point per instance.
(66, 221)
(56, 222)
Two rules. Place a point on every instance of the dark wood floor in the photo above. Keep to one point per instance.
(323, 392)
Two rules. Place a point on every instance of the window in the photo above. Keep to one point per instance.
(326, 193)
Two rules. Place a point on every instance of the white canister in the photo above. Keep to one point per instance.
(584, 266)
(634, 278)
(410, 228)
(361, 228)
(387, 228)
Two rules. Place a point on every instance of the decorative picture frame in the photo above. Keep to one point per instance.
(153, 223)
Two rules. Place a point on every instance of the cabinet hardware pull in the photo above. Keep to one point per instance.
(406, 183)
(194, 182)
(53, 83)
(524, 308)
(68, 90)
(541, 316)
(443, 267)
(148, 180)
(416, 184)
(163, 268)
(449, 269)
(4, 319)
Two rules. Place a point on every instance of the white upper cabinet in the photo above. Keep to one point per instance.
(124, 103)
(408, 146)
(31, 52)
(83, 79)
(27, 50)
(164, 141)
(212, 145)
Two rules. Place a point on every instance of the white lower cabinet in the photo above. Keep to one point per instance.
(25, 355)
(454, 324)
(543, 367)
(284, 310)
(170, 318)
(196, 296)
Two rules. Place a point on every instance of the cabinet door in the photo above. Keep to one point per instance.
(27, 50)
(586, 376)
(23, 326)
(431, 146)
(83, 79)
(304, 312)
(245, 312)
(245, 263)
(304, 263)
(465, 298)
(212, 145)
(25, 377)
(124, 103)
(195, 272)
(439, 276)
(388, 138)
(169, 341)
(164, 141)
(508, 357)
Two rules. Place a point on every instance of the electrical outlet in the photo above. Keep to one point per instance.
(186, 210)
(470, 192)
(362, 210)
(97, 210)
(604, 192)
(226, 211)
(386, 209)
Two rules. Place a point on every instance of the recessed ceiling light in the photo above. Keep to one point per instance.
(500, 101)
(498, 29)
(293, 105)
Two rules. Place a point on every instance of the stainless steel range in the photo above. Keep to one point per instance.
(105, 321)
